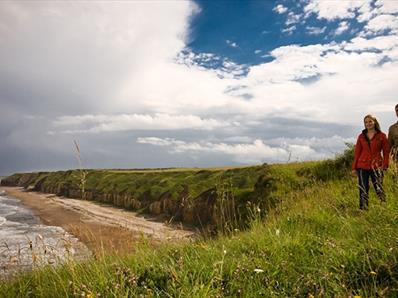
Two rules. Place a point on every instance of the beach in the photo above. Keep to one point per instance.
(102, 228)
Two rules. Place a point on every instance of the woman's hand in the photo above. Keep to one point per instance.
(354, 173)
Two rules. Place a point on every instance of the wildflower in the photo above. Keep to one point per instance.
(311, 296)
(277, 232)
(89, 295)
(257, 270)
(373, 273)
(258, 209)
(357, 296)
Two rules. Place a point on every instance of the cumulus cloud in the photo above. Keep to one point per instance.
(382, 23)
(258, 151)
(300, 76)
(315, 30)
(292, 18)
(123, 122)
(380, 43)
(255, 152)
(343, 26)
(387, 6)
(280, 9)
(211, 64)
(332, 10)
(289, 30)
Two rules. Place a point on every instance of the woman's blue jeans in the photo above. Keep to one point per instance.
(376, 176)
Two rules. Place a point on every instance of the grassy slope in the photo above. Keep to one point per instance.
(181, 194)
(149, 183)
(316, 242)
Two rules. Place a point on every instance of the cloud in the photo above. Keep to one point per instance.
(382, 23)
(336, 74)
(289, 30)
(258, 151)
(123, 122)
(128, 73)
(292, 18)
(343, 26)
(380, 43)
(333, 10)
(231, 43)
(208, 63)
(280, 9)
(290, 63)
(315, 30)
(387, 6)
(82, 65)
(255, 152)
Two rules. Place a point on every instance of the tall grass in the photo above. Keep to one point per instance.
(82, 177)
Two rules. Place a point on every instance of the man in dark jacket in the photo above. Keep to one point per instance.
(393, 139)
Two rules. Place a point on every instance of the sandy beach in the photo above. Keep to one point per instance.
(101, 227)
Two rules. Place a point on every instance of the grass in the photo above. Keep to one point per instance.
(314, 243)
(186, 195)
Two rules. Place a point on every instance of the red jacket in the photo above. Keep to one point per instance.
(368, 152)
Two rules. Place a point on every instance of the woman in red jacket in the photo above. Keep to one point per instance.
(370, 160)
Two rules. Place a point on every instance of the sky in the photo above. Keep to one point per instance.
(149, 84)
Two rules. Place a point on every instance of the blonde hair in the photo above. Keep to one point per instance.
(377, 125)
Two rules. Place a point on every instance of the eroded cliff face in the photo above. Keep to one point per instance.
(211, 206)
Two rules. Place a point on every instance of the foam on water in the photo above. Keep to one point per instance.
(25, 243)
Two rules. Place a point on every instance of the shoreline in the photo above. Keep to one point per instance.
(101, 228)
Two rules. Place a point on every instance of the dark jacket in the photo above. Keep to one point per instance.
(368, 152)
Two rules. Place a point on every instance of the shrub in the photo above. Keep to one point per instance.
(332, 168)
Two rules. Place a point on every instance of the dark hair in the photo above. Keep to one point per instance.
(396, 106)
(377, 125)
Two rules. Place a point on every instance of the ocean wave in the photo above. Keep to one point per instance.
(2, 220)
(7, 210)
(20, 231)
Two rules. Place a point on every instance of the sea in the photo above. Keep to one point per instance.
(26, 244)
